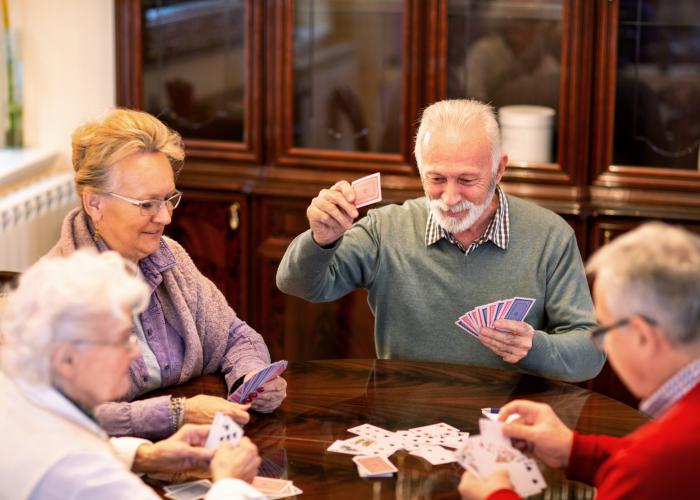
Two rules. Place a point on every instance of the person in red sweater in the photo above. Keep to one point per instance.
(647, 296)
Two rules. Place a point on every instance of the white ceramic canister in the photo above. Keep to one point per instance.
(526, 132)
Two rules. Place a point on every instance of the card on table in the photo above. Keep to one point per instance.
(259, 378)
(192, 490)
(368, 190)
(374, 466)
(222, 429)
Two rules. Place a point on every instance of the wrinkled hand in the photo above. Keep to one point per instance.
(182, 451)
(201, 409)
(473, 488)
(510, 339)
(241, 462)
(547, 436)
(332, 213)
(268, 396)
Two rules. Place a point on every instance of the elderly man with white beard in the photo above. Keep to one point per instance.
(465, 244)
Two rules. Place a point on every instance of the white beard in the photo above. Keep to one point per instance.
(458, 225)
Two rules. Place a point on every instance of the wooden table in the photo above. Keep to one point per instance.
(325, 398)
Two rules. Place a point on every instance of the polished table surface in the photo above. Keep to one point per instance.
(325, 398)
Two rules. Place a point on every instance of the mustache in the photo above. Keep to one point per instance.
(459, 207)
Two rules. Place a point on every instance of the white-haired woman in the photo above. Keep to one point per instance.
(125, 167)
(66, 348)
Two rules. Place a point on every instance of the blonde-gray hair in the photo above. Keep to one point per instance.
(653, 271)
(462, 115)
(61, 298)
(119, 133)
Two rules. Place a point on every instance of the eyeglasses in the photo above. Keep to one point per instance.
(129, 343)
(598, 334)
(151, 207)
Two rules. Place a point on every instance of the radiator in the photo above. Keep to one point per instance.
(30, 219)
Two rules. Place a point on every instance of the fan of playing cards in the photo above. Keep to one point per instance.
(515, 309)
(491, 450)
(259, 378)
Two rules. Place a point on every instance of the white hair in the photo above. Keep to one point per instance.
(653, 271)
(462, 115)
(62, 298)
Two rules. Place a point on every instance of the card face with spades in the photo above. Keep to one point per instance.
(223, 428)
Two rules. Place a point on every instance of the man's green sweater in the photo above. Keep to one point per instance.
(417, 292)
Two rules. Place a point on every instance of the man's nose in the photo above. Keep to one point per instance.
(451, 196)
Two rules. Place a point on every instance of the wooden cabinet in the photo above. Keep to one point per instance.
(278, 99)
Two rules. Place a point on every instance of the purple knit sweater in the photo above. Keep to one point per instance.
(188, 325)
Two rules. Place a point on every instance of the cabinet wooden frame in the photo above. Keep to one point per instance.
(281, 119)
(637, 184)
(129, 63)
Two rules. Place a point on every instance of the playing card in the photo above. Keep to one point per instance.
(223, 428)
(374, 466)
(259, 378)
(271, 486)
(436, 455)
(171, 488)
(492, 414)
(368, 190)
(372, 431)
(519, 308)
(434, 429)
(466, 327)
(492, 431)
(190, 491)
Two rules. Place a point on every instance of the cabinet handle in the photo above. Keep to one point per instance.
(234, 220)
(607, 236)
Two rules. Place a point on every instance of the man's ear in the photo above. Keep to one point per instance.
(501, 168)
(93, 204)
(649, 339)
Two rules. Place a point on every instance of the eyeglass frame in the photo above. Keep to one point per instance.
(598, 334)
(169, 204)
(131, 342)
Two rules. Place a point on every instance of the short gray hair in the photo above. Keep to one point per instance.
(462, 115)
(653, 271)
(59, 298)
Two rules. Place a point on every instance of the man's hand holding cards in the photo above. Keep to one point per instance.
(500, 327)
(334, 210)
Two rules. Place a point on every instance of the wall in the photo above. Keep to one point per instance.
(69, 69)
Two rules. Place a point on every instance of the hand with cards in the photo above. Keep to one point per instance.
(334, 210)
(500, 327)
(486, 456)
(264, 398)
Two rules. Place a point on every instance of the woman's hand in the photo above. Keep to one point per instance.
(201, 409)
(181, 451)
(268, 396)
(241, 462)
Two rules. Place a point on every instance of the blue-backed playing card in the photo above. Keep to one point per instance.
(259, 378)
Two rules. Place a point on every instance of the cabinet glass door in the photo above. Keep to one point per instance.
(195, 66)
(657, 95)
(509, 53)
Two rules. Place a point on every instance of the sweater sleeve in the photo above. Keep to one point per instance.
(321, 274)
(588, 453)
(148, 418)
(564, 351)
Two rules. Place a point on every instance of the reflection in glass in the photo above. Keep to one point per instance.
(508, 52)
(657, 103)
(347, 72)
(194, 66)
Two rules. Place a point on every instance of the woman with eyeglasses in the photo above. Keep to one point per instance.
(67, 345)
(126, 164)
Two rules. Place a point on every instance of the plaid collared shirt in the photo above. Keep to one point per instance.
(672, 391)
(498, 230)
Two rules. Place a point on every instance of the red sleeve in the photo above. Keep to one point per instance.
(588, 453)
(503, 494)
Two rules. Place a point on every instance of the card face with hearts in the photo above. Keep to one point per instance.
(223, 429)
